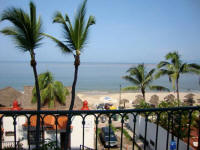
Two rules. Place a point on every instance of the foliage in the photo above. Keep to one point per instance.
(143, 105)
(75, 38)
(26, 29)
(126, 134)
(50, 145)
(178, 121)
(50, 90)
(141, 79)
(174, 67)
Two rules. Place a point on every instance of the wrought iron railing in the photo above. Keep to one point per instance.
(134, 127)
(10, 144)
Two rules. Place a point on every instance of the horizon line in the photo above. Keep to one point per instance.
(106, 62)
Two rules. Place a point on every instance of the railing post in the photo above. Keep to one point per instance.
(56, 122)
(68, 132)
(168, 128)
(190, 121)
(109, 121)
(134, 127)
(179, 128)
(29, 122)
(1, 133)
(97, 122)
(83, 123)
(122, 128)
(145, 136)
(15, 138)
(199, 131)
(157, 124)
(38, 130)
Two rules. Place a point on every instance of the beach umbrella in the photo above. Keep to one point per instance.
(190, 95)
(108, 100)
(169, 97)
(189, 99)
(154, 100)
(138, 99)
(124, 101)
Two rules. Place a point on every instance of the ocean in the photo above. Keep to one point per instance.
(92, 76)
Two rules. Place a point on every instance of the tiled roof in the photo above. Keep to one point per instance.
(49, 121)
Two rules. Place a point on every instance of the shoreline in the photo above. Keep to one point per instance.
(98, 97)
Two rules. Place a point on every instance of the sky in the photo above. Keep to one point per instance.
(126, 31)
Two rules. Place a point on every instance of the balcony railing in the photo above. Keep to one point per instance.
(144, 128)
(10, 144)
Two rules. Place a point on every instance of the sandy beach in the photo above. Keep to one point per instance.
(95, 98)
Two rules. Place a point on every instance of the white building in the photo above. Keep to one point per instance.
(151, 134)
(49, 133)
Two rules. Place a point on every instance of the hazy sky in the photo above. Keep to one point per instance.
(125, 30)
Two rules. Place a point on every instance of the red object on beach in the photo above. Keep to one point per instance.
(85, 105)
(15, 105)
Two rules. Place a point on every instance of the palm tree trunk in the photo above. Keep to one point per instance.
(73, 94)
(143, 93)
(177, 91)
(33, 64)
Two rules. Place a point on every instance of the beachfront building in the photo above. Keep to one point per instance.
(50, 131)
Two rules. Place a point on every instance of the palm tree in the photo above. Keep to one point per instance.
(50, 90)
(26, 31)
(141, 80)
(174, 68)
(75, 37)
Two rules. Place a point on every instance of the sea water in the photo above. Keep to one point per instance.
(91, 76)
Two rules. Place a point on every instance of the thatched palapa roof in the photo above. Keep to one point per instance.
(122, 101)
(154, 100)
(169, 97)
(8, 95)
(138, 99)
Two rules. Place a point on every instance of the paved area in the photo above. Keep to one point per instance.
(127, 145)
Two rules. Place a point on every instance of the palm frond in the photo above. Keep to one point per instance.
(162, 72)
(79, 23)
(195, 66)
(132, 80)
(64, 48)
(183, 68)
(158, 88)
(84, 37)
(148, 78)
(68, 30)
(60, 92)
(32, 13)
(131, 88)
(27, 29)
(162, 64)
(9, 31)
(134, 71)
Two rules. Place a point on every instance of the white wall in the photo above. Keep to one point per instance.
(151, 133)
(20, 134)
(77, 132)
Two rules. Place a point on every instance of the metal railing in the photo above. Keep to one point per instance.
(10, 144)
(133, 125)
